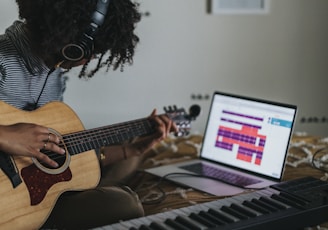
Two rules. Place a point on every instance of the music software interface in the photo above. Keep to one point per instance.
(248, 134)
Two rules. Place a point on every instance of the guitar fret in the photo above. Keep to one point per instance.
(78, 146)
(95, 138)
(88, 146)
(87, 140)
(84, 146)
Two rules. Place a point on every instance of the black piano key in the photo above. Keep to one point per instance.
(157, 226)
(256, 207)
(211, 218)
(187, 223)
(295, 198)
(202, 220)
(220, 215)
(273, 203)
(286, 201)
(243, 210)
(265, 205)
(144, 227)
(234, 212)
(133, 228)
(175, 225)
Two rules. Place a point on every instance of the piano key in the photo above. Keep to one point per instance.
(265, 205)
(217, 206)
(157, 226)
(142, 227)
(175, 225)
(188, 223)
(202, 220)
(249, 205)
(255, 207)
(266, 193)
(160, 220)
(173, 215)
(243, 210)
(286, 201)
(233, 212)
(222, 216)
(273, 203)
(211, 218)
(297, 199)
(141, 221)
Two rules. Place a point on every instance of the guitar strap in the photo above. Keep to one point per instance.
(8, 166)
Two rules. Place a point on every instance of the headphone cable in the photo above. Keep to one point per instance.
(44, 85)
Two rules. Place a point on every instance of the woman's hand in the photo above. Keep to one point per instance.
(164, 126)
(25, 139)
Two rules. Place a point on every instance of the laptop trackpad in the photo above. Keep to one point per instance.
(207, 185)
(199, 183)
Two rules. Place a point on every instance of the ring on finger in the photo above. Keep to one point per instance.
(45, 145)
(48, 137)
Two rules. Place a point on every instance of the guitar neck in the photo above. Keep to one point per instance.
(85, 140)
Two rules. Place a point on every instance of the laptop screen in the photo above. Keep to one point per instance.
(249, 134)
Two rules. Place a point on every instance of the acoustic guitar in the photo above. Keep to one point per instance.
(29, 189)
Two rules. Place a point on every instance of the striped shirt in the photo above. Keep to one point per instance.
(22, 74)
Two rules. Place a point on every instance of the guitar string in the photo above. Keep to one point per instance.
(73, 140)
(89, 135)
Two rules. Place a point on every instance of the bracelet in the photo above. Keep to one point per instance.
(124, 152)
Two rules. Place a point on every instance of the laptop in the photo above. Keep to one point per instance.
(245, 141)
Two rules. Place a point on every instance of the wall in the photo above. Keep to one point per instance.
(185, 51)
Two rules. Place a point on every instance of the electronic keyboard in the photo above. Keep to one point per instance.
(288, 205)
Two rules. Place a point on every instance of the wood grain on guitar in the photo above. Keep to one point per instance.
(28, 205)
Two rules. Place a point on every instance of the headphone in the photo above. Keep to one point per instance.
(85, 46)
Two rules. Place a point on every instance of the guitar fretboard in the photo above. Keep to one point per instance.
(108, 135)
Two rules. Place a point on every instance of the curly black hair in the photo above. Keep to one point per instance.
(54, 23)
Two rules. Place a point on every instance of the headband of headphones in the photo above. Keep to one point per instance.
(84, 48)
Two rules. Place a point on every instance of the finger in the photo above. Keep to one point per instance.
(54, 148)
(153, 113)
(172, 127)
(166, 122)
(41, 133)
(49, 137)
(53, 138)
(161, 128)
(44, 145)
(44, 159)
(169, 124)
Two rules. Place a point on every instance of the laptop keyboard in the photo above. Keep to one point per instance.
(221, 175)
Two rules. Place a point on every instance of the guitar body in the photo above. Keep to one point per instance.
(28, 205)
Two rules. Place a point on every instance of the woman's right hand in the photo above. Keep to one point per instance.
(25, 139)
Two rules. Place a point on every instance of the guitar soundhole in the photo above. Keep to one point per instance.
(62, 161)
(59, 159)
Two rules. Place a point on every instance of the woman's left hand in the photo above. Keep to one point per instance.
(164, 126)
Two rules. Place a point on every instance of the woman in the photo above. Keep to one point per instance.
(52, 37)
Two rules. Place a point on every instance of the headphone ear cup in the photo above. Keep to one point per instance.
(73, 52)
(78, 51)
(86, 43)
(85, 46)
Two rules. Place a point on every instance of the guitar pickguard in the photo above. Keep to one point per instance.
(38, 182)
